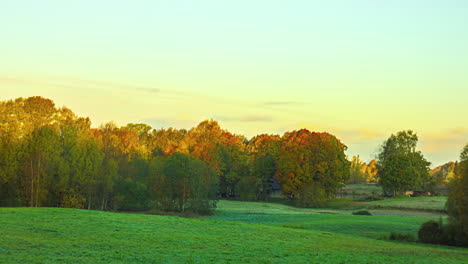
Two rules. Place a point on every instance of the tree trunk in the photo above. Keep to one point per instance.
(38, 180)
(32, 184)
(102, 203)
(183, 198)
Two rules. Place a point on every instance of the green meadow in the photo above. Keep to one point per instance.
(328, 220)
(239, 232)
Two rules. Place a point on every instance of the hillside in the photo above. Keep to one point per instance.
(51, 235)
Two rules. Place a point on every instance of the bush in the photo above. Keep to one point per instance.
(430, 232)
(452, 236)
(362, 212)
(370, 199)
(405, 237)
(73, 199)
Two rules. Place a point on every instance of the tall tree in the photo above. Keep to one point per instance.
(185, 183)
(401, 167)
(41, 161)
(457, 201)
(263, 151)
(358, 171)
(311, 166)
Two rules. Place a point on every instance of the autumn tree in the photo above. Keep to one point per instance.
(167, 141)
(372, 171)
(51, 157)
(401, 166)
(358, 172)
(311, 166)
(444, 173)
(203, 142)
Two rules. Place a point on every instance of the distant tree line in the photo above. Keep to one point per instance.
(51, 157)
(361, 172)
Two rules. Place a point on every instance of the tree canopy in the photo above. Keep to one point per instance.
(311, 166)
(401, 167)
(457, 201)
(51, 157)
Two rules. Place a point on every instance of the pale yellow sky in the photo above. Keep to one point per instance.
(358, 69)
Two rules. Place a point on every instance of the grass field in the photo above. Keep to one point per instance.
(239, 233)
(428, 204)
(361, 190)
(421, 203)
(329, 220)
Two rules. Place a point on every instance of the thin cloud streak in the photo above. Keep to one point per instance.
(248, 118)
(280, 103)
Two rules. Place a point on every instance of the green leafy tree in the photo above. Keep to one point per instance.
(41, 161)
(106, 182)
(184, 183)
(457, 201)
(9, 165)
(263, 163)
(401, 167)
(86, 170)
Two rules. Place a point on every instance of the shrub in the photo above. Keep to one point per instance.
(452, 236)
(405, 237)
(362, 212)
(430, 232)
(73, 199)
(370, 199)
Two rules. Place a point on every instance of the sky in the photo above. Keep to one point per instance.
(359, 69)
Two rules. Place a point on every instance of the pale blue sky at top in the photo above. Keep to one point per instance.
(360, 69)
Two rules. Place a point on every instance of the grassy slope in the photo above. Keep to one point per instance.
(51, 235)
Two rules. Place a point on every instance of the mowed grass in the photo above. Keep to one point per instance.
(53, 235)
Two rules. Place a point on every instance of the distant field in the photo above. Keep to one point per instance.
(422, 203)
(358, 191)
(268, 234)
(361, 190)
(340, 221)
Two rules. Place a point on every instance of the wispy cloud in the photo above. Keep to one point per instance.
(73, 83)
(280, 103)
(451, 139)
(247, 118)
(113, 85)
(344, 134)
(178, 120)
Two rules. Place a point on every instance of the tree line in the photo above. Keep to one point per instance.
(51, 157)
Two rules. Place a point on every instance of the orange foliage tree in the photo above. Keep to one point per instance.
(311, 166)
